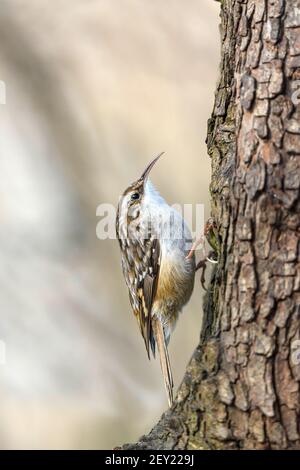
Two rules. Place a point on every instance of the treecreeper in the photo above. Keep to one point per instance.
(158, 265)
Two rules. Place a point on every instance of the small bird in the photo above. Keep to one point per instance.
(157, 264)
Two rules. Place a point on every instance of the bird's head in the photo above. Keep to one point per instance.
(131, 200)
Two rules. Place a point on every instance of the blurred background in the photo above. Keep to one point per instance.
(94, 89)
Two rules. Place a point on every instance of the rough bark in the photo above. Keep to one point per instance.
(241, 388)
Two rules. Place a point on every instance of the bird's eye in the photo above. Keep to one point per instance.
(135, 196)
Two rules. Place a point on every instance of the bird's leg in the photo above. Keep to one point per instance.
(196, 243)
(212, 256)
(202, 264)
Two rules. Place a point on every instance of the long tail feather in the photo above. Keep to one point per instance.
(164, 358)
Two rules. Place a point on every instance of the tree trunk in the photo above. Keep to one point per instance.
(241, 388)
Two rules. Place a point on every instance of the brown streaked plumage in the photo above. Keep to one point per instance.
(157, 272)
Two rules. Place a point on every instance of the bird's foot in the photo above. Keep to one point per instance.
(202, 264)
(195, 245)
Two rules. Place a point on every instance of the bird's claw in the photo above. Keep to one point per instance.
(198, 242)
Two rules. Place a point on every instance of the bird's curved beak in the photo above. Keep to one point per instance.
(149, 167)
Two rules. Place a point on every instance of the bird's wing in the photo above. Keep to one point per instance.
(140, 264)
(147, 284)
(148, 293)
